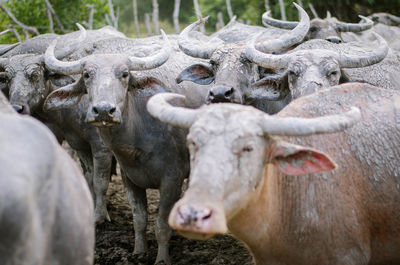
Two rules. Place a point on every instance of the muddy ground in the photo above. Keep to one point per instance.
(115, 240)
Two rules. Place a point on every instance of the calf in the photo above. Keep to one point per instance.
(46, 212)
(272, 192)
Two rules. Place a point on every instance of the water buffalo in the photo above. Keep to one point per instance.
(29, 82)
(385, 18)
(151, 154)
(230, 70)
(46, 211)
(268, 179)
(329, 28)
(319, 64)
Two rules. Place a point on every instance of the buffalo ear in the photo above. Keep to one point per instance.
(269, 88)
(197, 73)
(147, 86)
(296, 160)
(65, 97)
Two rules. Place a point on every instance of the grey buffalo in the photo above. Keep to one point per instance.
(46, 211)
(269, 179)
(318, 64)
(229, 68)
(29, 82)
(151, 154)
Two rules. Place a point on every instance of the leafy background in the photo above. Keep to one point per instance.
(34, 12)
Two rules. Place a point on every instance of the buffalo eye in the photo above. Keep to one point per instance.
(34, 76)
(86, 75)
(313, 29)
(333, 73)
(125, 74)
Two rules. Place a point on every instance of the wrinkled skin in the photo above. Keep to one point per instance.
(46, 212)
(118, 107)
(28, 83)
(256, 185)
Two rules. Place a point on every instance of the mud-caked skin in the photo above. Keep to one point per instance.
(151, 154)
(280, 194)
(46, 211)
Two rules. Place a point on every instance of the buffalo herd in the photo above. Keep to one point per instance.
(289, 135)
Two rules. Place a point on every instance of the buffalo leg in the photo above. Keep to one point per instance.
(138, 201)
(169, 194)
(102, 160)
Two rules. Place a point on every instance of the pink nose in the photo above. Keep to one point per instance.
(193, 217)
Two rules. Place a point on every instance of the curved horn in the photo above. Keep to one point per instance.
(267, 20)
(154, 61)
(266, 60)
(197, 48)
(354, 27)
(8, 48)
(70, 48)
(288, 126)
(159, 107)
(369, 58)
(394, 18)
(68, 68)
(289, 39)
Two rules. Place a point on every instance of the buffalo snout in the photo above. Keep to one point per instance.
(220, 94)
(104, 114)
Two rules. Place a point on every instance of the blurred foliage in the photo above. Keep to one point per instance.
(34, 12)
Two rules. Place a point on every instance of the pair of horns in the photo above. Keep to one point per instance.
(338, 25)
(159, 107)
(205, 46)
(135, 63)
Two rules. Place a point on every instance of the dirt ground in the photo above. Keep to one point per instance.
(115, 240)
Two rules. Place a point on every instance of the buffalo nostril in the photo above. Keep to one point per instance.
(95, 110)
(112, 110)
(211, 94)
(229, 93)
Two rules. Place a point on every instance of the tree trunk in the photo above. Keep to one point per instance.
(155, 17)
(198, 14)
(51, 26)
(147, 22)
(267, 8)
(313, 10)
(13, 30)
(50, 7)
(113, 20)
(283, 13)
(135, 17)
(108, 20)
(176, 16)
(220, 23)
(90, 23)
(229, 9)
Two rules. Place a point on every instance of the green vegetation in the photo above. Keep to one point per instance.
(34, 12)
